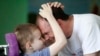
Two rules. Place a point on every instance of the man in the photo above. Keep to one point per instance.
(81, 30)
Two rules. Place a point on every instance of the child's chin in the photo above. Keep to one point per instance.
(43, 47)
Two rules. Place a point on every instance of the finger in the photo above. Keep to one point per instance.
(62, 6)
(39, 13)
(49, 7)
(55, 4)
(40, 10)
(43, 6)
(58, 5)
(49, 3)
(52, 4)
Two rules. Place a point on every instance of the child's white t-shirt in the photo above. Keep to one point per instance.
(85, 38)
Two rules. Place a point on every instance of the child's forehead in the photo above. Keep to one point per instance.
(36, 33)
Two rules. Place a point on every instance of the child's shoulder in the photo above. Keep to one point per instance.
(43, 52)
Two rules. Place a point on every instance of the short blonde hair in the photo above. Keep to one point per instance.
(24, 33)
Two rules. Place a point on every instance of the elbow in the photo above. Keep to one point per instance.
(63, 42)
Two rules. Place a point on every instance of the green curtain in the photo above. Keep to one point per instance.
(12, 13)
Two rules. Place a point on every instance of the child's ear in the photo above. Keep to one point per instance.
(28, 45)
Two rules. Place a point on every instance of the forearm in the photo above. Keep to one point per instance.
(60, 39)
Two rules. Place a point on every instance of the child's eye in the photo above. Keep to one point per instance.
(42, 36)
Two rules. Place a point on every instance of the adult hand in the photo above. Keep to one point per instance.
(57, 4)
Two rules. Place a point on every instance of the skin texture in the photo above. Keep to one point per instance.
(38, 41)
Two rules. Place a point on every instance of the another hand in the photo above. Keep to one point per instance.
(57, 4)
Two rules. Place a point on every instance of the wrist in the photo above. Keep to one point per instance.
(50, 17)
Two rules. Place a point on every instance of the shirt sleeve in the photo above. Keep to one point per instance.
(44, 52)
(90, 38)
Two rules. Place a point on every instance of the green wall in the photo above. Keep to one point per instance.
(12, 13)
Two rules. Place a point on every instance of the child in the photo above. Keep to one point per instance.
(31, 42)
(29, 38)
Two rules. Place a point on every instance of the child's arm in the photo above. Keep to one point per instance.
(60, 39)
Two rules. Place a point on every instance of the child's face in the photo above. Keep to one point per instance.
(38, 42)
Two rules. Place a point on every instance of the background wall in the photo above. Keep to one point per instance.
(12, 13)
(71, 6)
